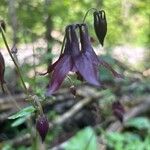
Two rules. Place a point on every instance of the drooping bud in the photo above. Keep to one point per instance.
(118, 110)
(3, 25)
(2, 70)
(73, 90)
(42, 126)
(100, 25)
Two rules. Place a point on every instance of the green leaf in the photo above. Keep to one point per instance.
(139, 123)
(19, 121)
(84, 139)
(24, 112)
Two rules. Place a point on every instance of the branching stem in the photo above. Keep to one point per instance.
(87, 13)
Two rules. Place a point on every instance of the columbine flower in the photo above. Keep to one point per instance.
(42, 126)
(118, 110)
(100, 25)
(71, 60)
(87, 50)
(2, 70)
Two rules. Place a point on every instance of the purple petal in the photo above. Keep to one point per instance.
(52, 66)
(87, 70)
(63, 66)
(86, 44)
(89, 52)
(75, 50)
(72, 43)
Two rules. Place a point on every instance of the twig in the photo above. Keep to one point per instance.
(61, 119)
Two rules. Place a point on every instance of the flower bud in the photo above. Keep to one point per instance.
(2, 70)
(42, 126)
(118, 110)
(100, 25)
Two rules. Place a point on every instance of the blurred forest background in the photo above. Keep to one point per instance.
(35, 29)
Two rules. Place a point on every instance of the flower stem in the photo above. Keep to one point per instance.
(87, 13)
(16, 65)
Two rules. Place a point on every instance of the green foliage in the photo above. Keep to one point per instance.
(8, 146)
(19, 121)
(21, 116)
(137, 88)
(108, 97)
(131, 140)
(127, 141)
(139, 123)
(24, 112)
(84, 139)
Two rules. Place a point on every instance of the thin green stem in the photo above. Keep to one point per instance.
(87, 13)
(16, 65)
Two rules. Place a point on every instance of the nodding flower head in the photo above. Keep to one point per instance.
(87, 49)
(100, 25)
(118, 110)
(2, 70)
(72, 59)
(84, 62)
(42, 126)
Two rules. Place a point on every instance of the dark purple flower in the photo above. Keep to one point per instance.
(87, 49)
(118, 110)
(42, 126)
(2, 70)
(71, 60)
(100, 25)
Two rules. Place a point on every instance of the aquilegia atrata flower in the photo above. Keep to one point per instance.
(87, 49)
(100, 25)
(72, 59)
(2, 70)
